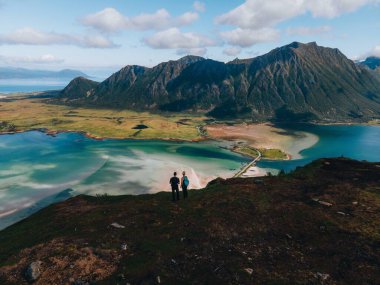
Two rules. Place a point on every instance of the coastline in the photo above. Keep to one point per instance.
(199, 175)
(264, 136)
(203, 137)
(99, 138)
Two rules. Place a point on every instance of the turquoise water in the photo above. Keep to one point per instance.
(37, 170)
(6, 89)
(357, 142)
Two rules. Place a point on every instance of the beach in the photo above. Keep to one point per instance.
(265, 136)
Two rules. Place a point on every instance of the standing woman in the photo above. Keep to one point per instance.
(184, 184)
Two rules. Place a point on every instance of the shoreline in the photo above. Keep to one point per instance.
(203, 138)
(264, 136)
(305, 142)
(94, 137)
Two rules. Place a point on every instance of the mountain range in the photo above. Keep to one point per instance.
(372, 62)
(296, 82)
(23, 73)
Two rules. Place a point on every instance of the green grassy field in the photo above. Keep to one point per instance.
(27, 114)
(273, 154)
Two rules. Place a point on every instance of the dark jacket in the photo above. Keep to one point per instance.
(174, 181)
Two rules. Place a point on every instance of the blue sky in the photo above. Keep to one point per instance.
(99, 37)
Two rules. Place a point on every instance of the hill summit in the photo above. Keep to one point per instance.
(296, 82)
(317, 225)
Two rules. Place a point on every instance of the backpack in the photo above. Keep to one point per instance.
(185, 181)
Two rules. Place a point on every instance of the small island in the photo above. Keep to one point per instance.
(266, 153)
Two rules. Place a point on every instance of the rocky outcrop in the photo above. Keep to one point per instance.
(33, 271)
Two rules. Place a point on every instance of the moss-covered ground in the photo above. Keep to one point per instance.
(317, 225)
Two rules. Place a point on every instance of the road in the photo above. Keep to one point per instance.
(245, 168)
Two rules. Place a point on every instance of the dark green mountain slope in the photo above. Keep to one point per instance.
(138, 87)
(295, 82)
(78, 88)
(318, 225)
(372, 63)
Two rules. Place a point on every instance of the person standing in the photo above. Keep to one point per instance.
(184, 184)
(174, 181)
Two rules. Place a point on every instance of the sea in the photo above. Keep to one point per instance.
(7, 87)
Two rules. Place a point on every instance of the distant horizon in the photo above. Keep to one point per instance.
(103, 73)
(100, 38)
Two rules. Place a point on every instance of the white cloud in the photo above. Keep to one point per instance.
(375, 51)
(186, 18)
(173, 38)
(31, 36)
(43, 59)
(192, 51)
(159, 19)
(254, 14)
(232, 51)
(334, 8)
(111, 20)
(308, 31)
(107, 20)
(246, 37)
(199, 6)
(257, 15)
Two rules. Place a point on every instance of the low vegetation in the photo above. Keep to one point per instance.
(274, 154)
(317, 225)
(27, 114)
(7, 127)
(266, 153)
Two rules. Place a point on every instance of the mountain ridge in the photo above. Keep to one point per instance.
(24, 73)
(372, 62)
(296, 82)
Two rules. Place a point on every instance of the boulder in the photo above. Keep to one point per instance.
(33, 271)
(117, 226)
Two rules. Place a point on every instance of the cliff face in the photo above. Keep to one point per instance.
(138, 87)
(317, 225)
(296, 82)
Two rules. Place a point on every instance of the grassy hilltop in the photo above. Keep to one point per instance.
(317, 225)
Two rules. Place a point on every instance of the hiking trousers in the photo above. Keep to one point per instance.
(184, 190)
(175, 192)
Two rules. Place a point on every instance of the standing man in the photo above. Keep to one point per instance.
(184, 184)
(174, 181)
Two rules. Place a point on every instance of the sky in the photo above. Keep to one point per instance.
(99, 37)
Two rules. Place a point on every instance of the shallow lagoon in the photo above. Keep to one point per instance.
(37, 170)
(356, 142)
